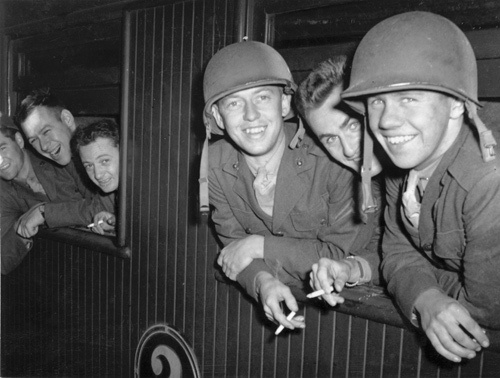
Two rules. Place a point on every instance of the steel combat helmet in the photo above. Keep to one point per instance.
(418, 50)
(239, 66)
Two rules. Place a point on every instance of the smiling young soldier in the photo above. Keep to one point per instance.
(415, 76)
(279, 203)
(98, 145)
(340, 130)
(49, 127)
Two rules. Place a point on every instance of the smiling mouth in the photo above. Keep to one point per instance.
(55, 152)
(400, 139)
(4, 166)
(104, 182)
(254, 130)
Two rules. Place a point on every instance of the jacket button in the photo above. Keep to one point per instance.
(279, 233)
(299, 163)
(427, 247)
(323, 222)
(235, 165)
(248, 230)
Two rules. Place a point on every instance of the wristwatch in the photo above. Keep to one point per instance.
(361, 272)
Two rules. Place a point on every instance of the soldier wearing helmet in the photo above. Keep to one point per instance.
(415, 77)
(279, 203)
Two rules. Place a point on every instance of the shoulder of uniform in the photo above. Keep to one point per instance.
(310, 146)
(469, 168)
(221, 151)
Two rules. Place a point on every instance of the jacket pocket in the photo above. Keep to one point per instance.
(449, 246)
(311, 219)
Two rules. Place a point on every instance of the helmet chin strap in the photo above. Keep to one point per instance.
(299, 135)
(204, 201)
(369, 204)
(487, 141)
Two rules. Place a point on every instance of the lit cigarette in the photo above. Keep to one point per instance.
(93, 224)
(317, 293)
(281, 327)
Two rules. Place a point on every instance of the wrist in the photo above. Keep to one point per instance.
(357, 272)
(428, 296)
(360, 271)
(260, 279)
(259, 248)
(41, 210)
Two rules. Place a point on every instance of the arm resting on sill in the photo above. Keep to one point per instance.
(371, 302)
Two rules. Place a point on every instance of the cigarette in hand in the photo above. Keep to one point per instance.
(93, 224)
(281, 327)
(317, 293)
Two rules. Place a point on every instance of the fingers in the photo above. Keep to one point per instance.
(333, 299)
(107, 227)
(332, 271)
(98, 230)
(455, 335)
(230, 263)
(477, 334)
(326, 273)
(112, 221)
(26, 230)
(448, 348)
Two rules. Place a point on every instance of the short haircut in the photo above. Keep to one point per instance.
(7, 127)
(315, 89)
(8, 132)
(38, 97)
(104, 128)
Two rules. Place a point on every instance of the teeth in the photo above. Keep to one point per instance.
(55, 151)
(400, 139)
(104, 182)
(254, 130)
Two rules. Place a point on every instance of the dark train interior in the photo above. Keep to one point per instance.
(86, 305)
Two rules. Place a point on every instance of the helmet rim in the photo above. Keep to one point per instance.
(208, 118)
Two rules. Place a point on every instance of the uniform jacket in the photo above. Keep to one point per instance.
(456, 247)
(68, 203)
(314, 212)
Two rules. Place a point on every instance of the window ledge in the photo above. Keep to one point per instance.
(98, 243)
(372, 303)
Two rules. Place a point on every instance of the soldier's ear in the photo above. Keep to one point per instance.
(68, 119)
(217, 116)
(19, 139)
(286, 104)
(457, 109)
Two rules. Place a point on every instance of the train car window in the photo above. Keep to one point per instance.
(83, 67)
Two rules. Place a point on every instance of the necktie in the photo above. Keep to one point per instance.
(264, 186)
(411, 205)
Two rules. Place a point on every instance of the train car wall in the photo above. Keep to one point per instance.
(70, 310)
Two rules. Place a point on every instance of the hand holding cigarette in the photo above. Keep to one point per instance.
(93, 224)
(282, 327)
(318, 293)
(103, 222)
